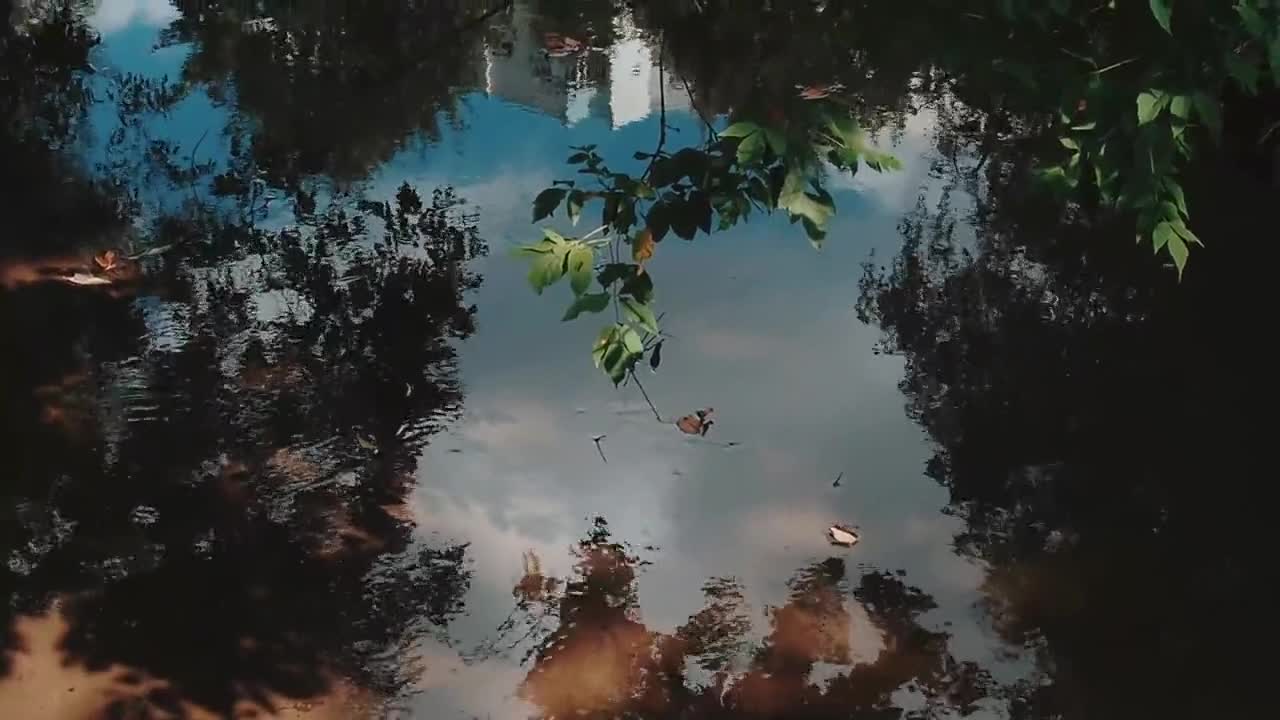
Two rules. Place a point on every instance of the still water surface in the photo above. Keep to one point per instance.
(283, 468)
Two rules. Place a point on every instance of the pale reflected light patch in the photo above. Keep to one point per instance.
(112, 16)
(777, 531)
(496, 551)
(520, 426)
(473, 687)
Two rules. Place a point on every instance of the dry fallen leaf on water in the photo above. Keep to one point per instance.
(84, 279)
(696, 424)
(842, 535)
(107, 260)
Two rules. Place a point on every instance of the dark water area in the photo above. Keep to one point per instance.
(289, 435)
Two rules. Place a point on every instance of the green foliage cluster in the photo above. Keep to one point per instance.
(748, 167)
(1145, 100)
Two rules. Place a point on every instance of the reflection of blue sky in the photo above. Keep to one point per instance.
(764, 331)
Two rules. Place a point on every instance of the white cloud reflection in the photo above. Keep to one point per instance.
(112, 16)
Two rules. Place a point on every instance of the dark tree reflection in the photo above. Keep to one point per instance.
(334, 88)
(1090, 420)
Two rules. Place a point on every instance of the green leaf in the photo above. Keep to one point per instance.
(1069, 143)
(592, 303)
(643, 191)
(541, 247)
(751, 149)
(614, 272)
(1185, 233)
(603, 341)
(1085, 126)
(1253, 21)
(638, 285)
(616, 351)
(546, 202)
(1161, 10)
(657, 221)
(610, 213)
(818, 209)
(815, 233)
(1179, 198)
(640, 314)
(776, 140)
(1178, 251)
(684, 219)
(574, 206)
(631, 341)
(1244, 72)
(1180, 106)
(1161, 235)
(1273, 56)
(1210, 112)
(578, 264)
(1148, 106)
(1056, 178)
(546, 270)
(578, 158)
(739, 130)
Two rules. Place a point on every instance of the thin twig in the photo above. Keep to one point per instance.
(656, 414)
(1113, 66)
(194, 194)
(694, 104)
(662, 108)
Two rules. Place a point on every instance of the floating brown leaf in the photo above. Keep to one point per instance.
(696, 424)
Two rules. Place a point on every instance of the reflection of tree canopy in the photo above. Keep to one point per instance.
(601, 660)
(334, 88)
(1088, 418)
(208, 462)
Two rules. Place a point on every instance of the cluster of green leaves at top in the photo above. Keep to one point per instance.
(1133, 121)
(748, 167)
